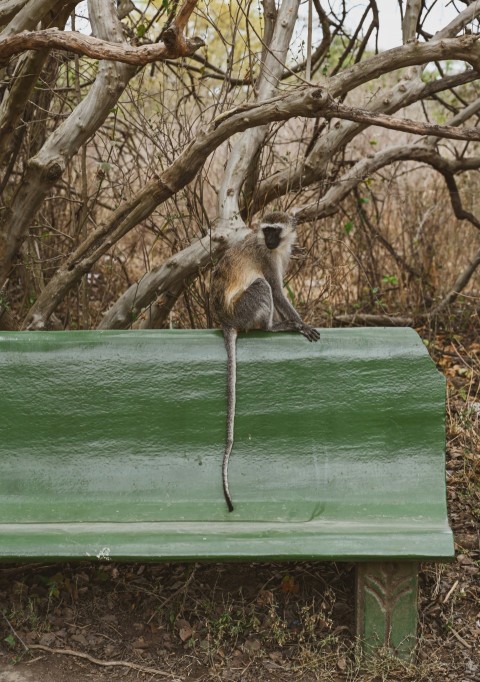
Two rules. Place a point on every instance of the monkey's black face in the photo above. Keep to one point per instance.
(272, 236)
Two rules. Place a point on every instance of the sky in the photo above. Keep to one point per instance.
(390, 33)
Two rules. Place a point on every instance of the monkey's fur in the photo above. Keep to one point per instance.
(247, 293)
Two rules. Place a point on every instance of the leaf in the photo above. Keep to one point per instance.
(185, 633)
(290, 585)
(265, 597)
(10, 640)
(185, 630)
(348, 227)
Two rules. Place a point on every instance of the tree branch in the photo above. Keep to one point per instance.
(369, 165)
(410, 20)
(156, 315)
(199, 254)
(366, 319)
(459, 285)
(9, 8)
(314, 167)
(308, 101)
(89, 46)
(245, 150)
(27, 16)
(47, 166)
(407, 125)
(465, 48)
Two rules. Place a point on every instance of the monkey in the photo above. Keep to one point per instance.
(247, 293)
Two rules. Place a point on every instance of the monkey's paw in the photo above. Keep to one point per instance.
(310, 333)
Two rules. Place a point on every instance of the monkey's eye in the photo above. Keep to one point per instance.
(272, 236)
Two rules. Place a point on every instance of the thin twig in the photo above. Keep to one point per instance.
(375, 320)
(106, 664)
(15, 633)
(452, 589)
(460, 639)
(308, 66)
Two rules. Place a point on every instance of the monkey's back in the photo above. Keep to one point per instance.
(240, 266)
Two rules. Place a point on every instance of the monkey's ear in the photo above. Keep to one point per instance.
(254, 224)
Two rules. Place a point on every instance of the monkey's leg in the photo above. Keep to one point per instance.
(254, 309)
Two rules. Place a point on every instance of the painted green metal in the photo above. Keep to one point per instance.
(111, 445)
(386, 606)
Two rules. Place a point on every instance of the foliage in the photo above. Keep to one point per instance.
(363, 253)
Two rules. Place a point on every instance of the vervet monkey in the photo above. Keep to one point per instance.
(247, 293)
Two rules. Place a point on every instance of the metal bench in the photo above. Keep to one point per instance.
(111, 446)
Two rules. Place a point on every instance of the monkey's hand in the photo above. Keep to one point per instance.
(309, 332)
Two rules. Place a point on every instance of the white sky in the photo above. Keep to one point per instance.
(390, 33)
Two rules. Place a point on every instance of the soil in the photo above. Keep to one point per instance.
(245, 622)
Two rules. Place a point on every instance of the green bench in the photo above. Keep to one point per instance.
(111, 447)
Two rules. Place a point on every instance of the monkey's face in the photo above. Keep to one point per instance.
(272, 236)
(275, 228)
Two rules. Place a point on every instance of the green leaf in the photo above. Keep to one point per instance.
(141, 30)
(10, 640)
(348, 227)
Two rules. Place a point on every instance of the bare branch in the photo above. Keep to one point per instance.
(410, 19)
(369, 165)
(169, 275)
(314, 167)
(309, 102)
(405, 124)
(459, 285)
(90, 46)
(362, 319)
(9, 8)
(246, 148)
(27, 17)
(26, 74)
(156, 315)
(184, 14)
(186, 263)
(459, 22)
(465, 48)
(46, 167)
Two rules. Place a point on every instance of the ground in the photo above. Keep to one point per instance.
(246, 622)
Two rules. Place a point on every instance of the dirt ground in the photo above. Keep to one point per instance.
(246, 622)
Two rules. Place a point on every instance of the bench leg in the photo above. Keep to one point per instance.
(386, 606)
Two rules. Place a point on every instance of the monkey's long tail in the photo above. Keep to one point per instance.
(230, 338)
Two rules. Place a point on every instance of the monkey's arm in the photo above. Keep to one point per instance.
(287, 312)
